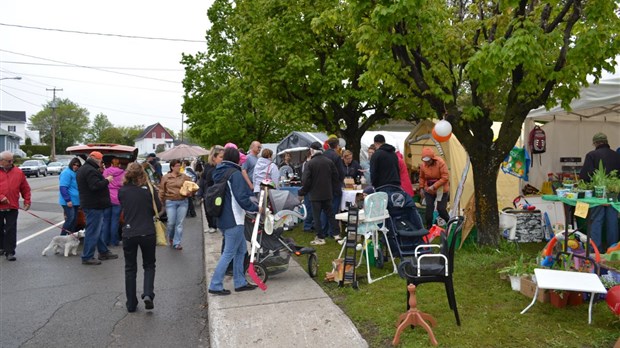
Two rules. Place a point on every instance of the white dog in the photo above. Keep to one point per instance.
(69, 243)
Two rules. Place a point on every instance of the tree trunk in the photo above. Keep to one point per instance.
(485, 188)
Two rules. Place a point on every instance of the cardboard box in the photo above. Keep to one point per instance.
(528, 288)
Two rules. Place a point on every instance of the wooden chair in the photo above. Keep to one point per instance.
(427, 267)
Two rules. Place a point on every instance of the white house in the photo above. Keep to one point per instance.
(152, 136)
(14, 122)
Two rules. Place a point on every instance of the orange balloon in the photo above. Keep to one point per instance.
(440, 138)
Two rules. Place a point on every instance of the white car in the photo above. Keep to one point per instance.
(39, 156)
(55, 168)
(34, 167)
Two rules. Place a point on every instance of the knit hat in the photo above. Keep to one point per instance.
(96, 155)
(427, 154)
(152, 154)
(599, 138)
(316, 146)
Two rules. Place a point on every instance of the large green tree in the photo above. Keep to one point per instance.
(474, 62)
(72, 123)
(301, 56)
(219, 101)
(100, 125)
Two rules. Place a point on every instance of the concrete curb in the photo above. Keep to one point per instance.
(293, 311)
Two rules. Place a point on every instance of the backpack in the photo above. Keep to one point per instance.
(214, 197)
(537, 141)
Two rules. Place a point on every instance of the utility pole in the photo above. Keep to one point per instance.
(182, 121)
(54, 105)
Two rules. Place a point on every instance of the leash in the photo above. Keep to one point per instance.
(72, 234)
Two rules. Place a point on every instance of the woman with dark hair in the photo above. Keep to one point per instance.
(175, 203)
(69, 197)
(236, 202)
(138, 231)
(216, 156)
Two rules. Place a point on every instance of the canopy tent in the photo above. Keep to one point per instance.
(394, 138)
(455, 156)
(295, 140)
(569, 133)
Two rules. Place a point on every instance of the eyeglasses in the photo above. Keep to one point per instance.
(76, 165)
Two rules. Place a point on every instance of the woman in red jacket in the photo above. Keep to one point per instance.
(435, 185)
(12, 183)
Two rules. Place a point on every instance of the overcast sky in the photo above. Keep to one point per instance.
(45, 59)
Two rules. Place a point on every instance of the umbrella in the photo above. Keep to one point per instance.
(182, 151)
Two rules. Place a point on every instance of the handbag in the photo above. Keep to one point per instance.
(160, 227)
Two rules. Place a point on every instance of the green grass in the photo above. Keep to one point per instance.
(488, 308)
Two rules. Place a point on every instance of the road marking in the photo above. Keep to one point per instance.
(39, 233)
(44, 188)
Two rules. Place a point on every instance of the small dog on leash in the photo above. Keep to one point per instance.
(69, 243)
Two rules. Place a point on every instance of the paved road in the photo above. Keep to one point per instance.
(55, 301)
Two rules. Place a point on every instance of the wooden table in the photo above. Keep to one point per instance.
(568, 281)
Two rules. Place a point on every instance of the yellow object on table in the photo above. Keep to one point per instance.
(547, 188)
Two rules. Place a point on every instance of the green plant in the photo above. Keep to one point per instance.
(560, 293)
(582, 185)
(599, 176)
(613, 182)
(518, 267)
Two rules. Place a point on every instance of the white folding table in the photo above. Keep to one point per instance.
(568, 281)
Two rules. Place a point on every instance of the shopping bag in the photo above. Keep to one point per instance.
(160, 233)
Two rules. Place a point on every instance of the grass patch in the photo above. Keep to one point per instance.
(488, 308)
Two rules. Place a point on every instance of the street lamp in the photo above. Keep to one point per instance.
(11, 78)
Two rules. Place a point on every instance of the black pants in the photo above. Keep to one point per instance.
(441, 208)
(325, 206)
(8, 230)
(130, 249)
(191, 211)
(210, 219)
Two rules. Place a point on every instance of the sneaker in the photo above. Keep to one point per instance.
(11, 257)
(338, 237)
(246, 287)
(212, 230)
(318, 241)
(107, 256)
(148, 302)
(91, 262)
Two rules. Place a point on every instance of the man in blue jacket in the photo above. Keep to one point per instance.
(236, 202)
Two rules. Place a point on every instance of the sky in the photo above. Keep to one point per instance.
(131, 81)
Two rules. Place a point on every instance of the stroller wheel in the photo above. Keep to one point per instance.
(313, 265)
(261, 272)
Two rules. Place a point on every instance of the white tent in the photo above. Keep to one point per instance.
(569, 133)
(394, 138)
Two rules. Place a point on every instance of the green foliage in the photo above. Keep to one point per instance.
(96, 131)
(28, 141)
(32, 149)
(71, 124)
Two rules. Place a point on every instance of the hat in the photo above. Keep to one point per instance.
(427, 154)
(379, 138)
(316, 146)
(599, 138)
(96, 155)
(151, 155)
(369, 189)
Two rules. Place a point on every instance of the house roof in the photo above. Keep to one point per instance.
(148, 130)
(9, 134)
(12, 116)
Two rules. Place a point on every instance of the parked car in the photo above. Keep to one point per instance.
(34, 167)
(55, 168)
(41, 157)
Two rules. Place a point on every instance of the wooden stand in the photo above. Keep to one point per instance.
(415, 318)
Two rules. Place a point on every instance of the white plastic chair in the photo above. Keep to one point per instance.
(508, 221)
(375, 214)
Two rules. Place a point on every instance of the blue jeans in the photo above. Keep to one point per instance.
(70, 219)
(328, 229)
(234, 249)
(176, 211)
(92, 234)
(111, 220)
(309, 221)
(610, 216)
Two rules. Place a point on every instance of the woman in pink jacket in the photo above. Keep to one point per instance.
(112, 215)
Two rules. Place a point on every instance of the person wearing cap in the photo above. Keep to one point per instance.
(94, 199)
(611, 161)
(320, 179)
(154, 162)
(434, 185)
(12, 183)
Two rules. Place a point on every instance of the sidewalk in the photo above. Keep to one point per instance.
(293, 312)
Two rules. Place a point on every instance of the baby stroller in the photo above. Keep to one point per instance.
(406, 230)
(271, 252)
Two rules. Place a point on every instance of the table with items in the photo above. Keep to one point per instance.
(348, 198)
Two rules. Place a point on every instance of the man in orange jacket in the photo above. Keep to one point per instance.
(12, 183)
(435, 185)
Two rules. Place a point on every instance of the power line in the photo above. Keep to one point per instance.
(16, 97)
(101, 34)
(96, 67)
(88, 67)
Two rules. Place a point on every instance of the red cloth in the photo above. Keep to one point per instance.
(12, 183)
(405, 183)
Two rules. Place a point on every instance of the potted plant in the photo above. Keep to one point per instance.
(599, 180)
(613, 185)
(558, 298)
(515, 271)
(584, 189)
